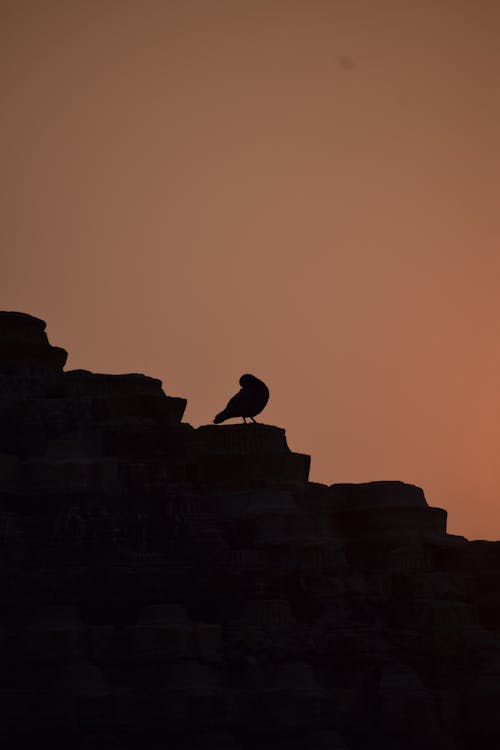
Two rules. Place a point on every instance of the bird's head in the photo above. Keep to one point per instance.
(246, 381)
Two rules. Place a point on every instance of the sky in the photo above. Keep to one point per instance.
(306, 190)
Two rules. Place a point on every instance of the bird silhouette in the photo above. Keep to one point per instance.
(248, 402)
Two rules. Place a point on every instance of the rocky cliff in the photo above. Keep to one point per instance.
(171, 587)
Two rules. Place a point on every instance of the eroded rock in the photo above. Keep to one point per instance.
(164, 586)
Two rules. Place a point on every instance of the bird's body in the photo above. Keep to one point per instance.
(248, 402)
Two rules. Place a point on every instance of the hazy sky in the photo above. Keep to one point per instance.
(307, 190)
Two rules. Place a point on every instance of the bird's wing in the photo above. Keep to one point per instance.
(238, 403)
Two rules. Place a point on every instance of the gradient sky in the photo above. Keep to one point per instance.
(307, 190)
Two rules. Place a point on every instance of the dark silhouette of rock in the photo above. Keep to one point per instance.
(248, 402)
(164, 586)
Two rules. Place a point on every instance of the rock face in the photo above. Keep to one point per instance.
(164, 586)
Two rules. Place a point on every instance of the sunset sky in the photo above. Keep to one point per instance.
(307, 190)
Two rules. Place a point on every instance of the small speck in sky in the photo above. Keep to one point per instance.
(346, 62)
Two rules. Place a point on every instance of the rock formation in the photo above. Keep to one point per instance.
(171, 587)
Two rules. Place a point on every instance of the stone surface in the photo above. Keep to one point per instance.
(164, 586)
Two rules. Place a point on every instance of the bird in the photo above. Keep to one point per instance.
(248, 402)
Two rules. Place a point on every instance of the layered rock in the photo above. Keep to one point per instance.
(164, 586)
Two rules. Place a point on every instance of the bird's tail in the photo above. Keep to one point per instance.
(221, 416)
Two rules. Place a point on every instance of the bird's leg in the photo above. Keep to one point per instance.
(244, 419)
(254, 420)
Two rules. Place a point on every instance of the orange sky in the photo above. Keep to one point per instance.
(302, 189)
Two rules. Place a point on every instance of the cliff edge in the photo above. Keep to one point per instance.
(165, 586)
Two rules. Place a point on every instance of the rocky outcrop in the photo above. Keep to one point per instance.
(164, 586)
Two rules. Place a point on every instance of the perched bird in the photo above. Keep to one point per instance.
(248, 402)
